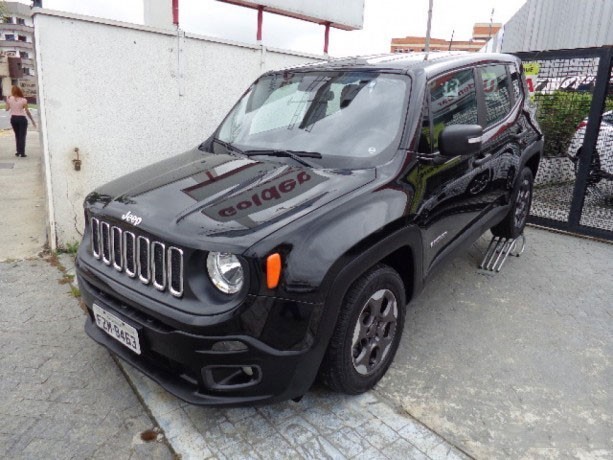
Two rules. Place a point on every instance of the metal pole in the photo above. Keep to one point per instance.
(451, 41)
(260, 20)
(427, 49)
(326, 38)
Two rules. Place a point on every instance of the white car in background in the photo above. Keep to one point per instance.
(602, 160)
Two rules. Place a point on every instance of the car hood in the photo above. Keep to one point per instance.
(220, 201)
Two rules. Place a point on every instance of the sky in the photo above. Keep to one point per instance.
(383, 19)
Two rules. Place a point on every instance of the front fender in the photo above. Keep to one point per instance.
(316, 247)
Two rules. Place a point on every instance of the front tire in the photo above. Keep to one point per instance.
(367, 332)
(514, 222)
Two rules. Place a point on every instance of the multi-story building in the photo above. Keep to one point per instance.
(482, 31)
(17, 50)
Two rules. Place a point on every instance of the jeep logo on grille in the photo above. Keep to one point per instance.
(131, 218)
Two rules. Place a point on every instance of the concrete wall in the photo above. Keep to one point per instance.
(559, 24)
(127, 96)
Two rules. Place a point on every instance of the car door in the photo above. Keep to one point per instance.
(449, 192)
(503, 133)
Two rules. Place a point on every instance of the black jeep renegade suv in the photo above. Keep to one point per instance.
(287, 245)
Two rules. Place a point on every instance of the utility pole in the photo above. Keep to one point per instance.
(427, 50)
(451, 41)
(491, 21)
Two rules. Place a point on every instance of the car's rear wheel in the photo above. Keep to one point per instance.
(514, 222)
(367, 332)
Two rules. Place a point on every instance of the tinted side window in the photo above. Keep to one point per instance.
(515, 82)
(496, 89)
(453, 101)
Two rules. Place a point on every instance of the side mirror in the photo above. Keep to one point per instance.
(457, 140)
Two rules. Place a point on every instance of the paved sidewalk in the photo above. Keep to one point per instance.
(517, 365)
(22, 229)
(61, 395)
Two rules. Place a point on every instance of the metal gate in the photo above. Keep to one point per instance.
(573, 93)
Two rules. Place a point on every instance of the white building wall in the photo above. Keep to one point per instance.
(126, 98)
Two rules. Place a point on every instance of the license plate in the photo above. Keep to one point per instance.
(116, 328)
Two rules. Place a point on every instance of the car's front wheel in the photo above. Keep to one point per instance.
(367, 332)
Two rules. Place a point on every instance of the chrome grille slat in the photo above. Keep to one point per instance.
(142, 262)
(116, 248)
(105, 239)
(158, 265)
(175, 271)
(95, 227)
(129, 253)
(151, 261)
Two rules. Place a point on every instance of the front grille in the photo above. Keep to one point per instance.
(153, 262)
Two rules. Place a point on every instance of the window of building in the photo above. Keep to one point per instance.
(7, 19)
(496, 90)
(22, 38)
(9, 37)
(14, 82)
(21, 21)
(24, 54)
(453, 101)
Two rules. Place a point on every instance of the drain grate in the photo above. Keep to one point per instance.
(7, 165)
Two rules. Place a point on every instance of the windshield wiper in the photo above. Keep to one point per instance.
(296, 155)
(229, 147)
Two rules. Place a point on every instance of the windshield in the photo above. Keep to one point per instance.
(350, 116)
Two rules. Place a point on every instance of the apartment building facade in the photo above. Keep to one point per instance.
(482, 31)
(17, 65)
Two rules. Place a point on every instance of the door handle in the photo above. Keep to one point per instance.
(482, 160)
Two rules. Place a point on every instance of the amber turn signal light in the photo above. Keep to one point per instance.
(273, 270)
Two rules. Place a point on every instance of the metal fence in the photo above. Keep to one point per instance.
(573, 93)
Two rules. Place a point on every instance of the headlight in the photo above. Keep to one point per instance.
(225, 271)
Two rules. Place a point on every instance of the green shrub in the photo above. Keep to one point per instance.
(559, 113)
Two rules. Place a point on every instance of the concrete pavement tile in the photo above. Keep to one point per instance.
(348, 442)
(17, 425)
(204, 418)
(318, 448)
(23, 407)
(323, 419)
(239, 413)
(395, 420)
(255, 428)
(446, 452)
(296, 430)
(402, 449)
(152, 451)
(377, 433)
(280, 411)
(275, 447)
(371, 454)
(421, 437)
(6, 443)
(55, 448)
(350, 416)
(240, 450)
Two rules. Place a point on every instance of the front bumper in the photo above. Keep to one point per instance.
(202, 367)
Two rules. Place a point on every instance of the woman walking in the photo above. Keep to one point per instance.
(18, 107)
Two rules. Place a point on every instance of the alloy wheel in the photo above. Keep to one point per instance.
(374, 332)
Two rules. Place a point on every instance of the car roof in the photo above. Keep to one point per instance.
(435, 63)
